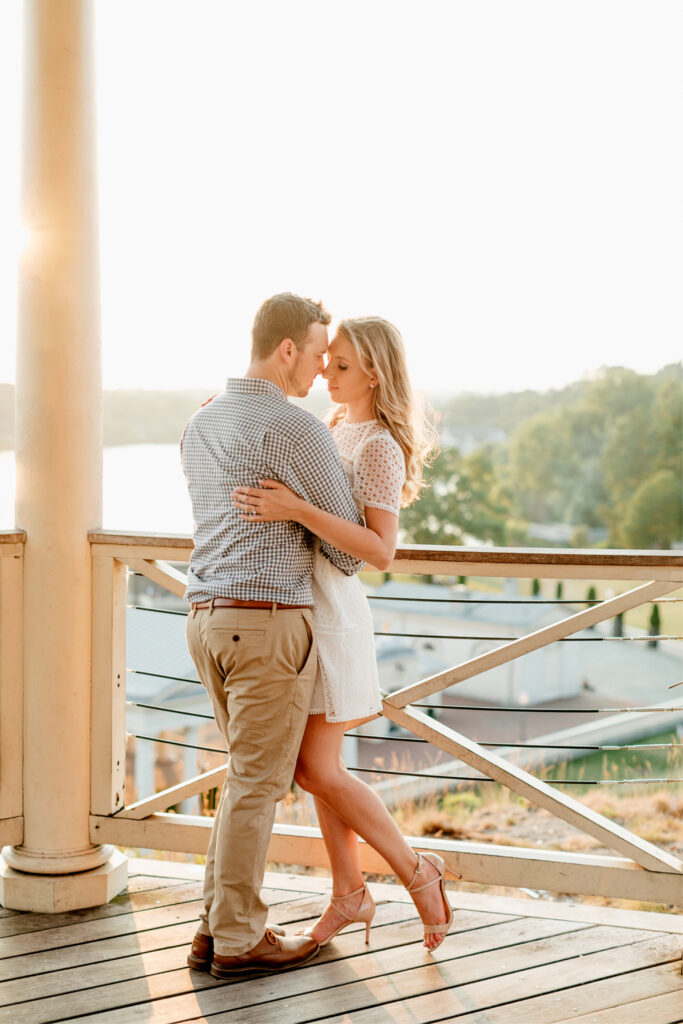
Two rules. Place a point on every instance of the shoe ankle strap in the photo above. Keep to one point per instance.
(418, 888)
(346, 896)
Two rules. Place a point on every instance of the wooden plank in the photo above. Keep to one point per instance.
(310, 993)
(109, 538)
(174, 794)
(616, 999)
(168, 982)
(562, 806)
(589, 558)
(11, 539)
(642, 920)
(88, 947)
(452, 561)
(92, 964)
(452, 988)
(578, 557)
(162, 573)
(153, 975)
(489, 864)
(499, 865)
(531, 570)
(180, 870)
(527, 644)
(108, 714)
(660, 1009)
(68, 929)
(147, 883)
(101, 928)
(125, 903)
(11, 698)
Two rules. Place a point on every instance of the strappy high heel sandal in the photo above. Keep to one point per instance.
(443, 926)
(365, 913)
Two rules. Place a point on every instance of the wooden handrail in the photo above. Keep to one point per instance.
(12, 536)
(612, 558)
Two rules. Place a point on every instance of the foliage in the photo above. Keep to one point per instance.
(652, 515)
(603, 454)
(463, 500)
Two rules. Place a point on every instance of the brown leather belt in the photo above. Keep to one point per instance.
(233, 602)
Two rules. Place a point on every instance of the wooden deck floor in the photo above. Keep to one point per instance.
(508, 961)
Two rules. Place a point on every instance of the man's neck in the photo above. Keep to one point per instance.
(266, 371)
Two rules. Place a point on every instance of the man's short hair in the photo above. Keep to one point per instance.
(284, 316)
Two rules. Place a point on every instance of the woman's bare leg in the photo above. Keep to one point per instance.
(351, 809)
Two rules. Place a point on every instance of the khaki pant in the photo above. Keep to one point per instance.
(259, 668)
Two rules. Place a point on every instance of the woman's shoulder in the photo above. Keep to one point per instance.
(380, 437)
(380, 452)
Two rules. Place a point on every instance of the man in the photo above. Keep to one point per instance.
(250, 628)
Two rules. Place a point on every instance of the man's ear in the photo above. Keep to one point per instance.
(287, 350)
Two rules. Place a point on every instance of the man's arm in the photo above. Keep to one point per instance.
(314, 471)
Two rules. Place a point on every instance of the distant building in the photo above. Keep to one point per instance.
(481, 625)
(468, 439)
(420, 621)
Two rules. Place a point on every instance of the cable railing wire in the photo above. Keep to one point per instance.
(543, 711)
(560, 640)
(425, 775)
(162, 675)
(416, 739)
(456, 707)
(453, 636)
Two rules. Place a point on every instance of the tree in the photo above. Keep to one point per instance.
(653, 517)
(541, 460)
(463, 498)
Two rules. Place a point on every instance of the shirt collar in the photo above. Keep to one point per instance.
(254, 386)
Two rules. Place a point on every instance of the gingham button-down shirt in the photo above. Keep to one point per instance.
(250, 433)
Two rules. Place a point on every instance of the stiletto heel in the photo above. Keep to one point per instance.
(442, 927)
(364, 913)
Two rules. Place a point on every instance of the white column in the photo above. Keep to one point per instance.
(59, 462)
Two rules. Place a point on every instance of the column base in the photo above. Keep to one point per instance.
(55, 894)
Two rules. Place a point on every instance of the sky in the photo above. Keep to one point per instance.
(503, 179)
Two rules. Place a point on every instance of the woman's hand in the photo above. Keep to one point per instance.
(270, 502)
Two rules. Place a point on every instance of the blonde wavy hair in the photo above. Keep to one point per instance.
(381, 353)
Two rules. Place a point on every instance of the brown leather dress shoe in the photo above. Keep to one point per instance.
(201, 955)
(272, 953)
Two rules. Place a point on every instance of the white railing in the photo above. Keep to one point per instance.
(11, 686)
(635, 869)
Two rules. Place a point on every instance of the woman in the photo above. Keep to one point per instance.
(383, 444)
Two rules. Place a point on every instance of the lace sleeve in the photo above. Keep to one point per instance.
(380, 473)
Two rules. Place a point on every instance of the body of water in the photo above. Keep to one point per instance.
(144, 490)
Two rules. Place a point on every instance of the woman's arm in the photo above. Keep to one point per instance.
(273, 501)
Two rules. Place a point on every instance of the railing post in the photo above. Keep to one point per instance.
(108, 772)
(11, 691)
(59, 463)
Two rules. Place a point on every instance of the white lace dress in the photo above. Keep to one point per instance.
(347, 684)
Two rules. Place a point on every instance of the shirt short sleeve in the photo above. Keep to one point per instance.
(380, 472)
